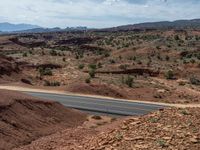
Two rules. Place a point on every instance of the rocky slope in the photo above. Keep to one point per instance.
(24, 119)
(166, 129)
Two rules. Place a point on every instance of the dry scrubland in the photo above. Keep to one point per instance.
(152, 65)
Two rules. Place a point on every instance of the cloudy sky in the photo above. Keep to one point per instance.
(95, 13)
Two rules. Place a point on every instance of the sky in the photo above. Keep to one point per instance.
(96, 13)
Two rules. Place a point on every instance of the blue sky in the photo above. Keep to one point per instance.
(96, 13)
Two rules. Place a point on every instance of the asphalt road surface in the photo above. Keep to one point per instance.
(100, 105)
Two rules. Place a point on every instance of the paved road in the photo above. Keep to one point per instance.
(100, 105)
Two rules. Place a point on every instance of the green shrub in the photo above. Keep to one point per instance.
(99, 65)
(106, 54)
(176, 37)
(81, 66)
(45, 71)
(192, 61)
(54, 83)
(123, 67)
(88, 80)
(162, 143)
(169, 75)
(92, 73)
(25, 54)
(128, 81)
(53, 53)
(93, 66)
(194, 81)
(167, 58)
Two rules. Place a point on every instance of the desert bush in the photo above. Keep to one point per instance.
(192, 61)
(176, 37)
(25, 55)
(81, 66)
(106, 54)
(127, 80)
(54, 83)
(123, 67)
(45, 71)
(194, 80)
(99, 65)
(96, 117)
(167, 58)
(169, 75)
(112, 61)
(92, 66)
(92, 73)
(53, 53)
(26, 81)
(88, 80)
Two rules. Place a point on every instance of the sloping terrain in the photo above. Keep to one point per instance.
(24, 119)
(7, 65)
(166, 129)
(151, 65)
(97, 89)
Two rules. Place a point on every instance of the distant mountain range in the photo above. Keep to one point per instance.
(56, 29)
(8, 27)
(28, 28)
(179, 24)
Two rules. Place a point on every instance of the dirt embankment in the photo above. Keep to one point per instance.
(97, 89)
(24, 119)
(166, 129)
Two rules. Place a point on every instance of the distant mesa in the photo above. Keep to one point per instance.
(178, 24)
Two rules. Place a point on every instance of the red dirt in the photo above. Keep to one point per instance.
(24, 119)
(97, 89)
(7, 65)
(165, 129)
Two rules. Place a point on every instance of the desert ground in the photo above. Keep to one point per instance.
(151, 66)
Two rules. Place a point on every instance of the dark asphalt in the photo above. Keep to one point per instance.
(100, 105)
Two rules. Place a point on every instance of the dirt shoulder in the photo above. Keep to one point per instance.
(28, 89)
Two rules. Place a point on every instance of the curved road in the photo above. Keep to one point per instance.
(100, 105)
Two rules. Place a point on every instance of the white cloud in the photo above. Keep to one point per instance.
(96, 13)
